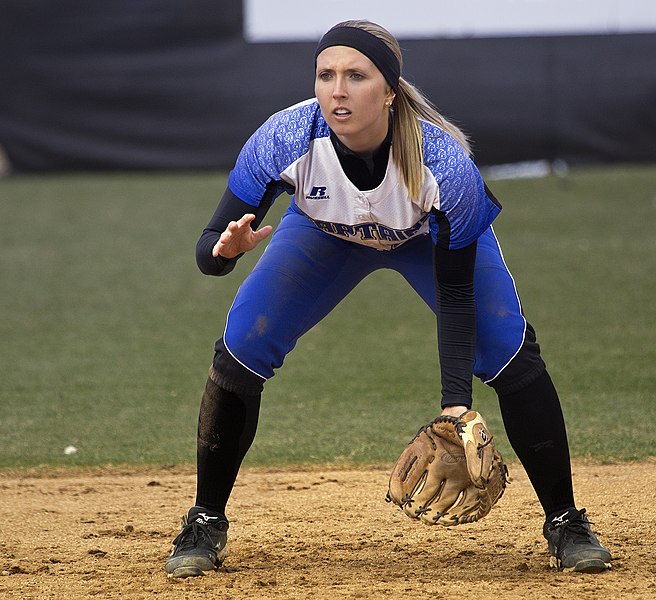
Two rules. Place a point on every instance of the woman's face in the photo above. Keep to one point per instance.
(353, 97)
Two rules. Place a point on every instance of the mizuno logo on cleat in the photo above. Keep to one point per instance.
(205, 518)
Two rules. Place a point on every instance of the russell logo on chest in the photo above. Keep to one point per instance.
(318, 192)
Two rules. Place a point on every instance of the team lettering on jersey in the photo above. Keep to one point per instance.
(372, 231)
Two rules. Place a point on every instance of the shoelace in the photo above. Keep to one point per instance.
(191, 534)
(577, 527)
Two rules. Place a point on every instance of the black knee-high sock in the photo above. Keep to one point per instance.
(536, 430)
(226, 428)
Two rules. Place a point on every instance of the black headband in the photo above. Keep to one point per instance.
(377, 51)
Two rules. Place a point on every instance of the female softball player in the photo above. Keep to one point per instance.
(379, 180)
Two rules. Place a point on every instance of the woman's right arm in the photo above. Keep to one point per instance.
(253, 184)
(231, 231)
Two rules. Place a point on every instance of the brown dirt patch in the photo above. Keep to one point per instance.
(310, 533)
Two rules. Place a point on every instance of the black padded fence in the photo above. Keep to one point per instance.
(171, 84)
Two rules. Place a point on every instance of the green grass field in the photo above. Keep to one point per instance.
(107, 327)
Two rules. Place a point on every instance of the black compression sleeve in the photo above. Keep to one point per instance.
(229, 209)
(456, 322)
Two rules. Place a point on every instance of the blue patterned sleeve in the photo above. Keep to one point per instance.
(466, 206)
(276, 144)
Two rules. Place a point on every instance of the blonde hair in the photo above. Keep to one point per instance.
(409, 105)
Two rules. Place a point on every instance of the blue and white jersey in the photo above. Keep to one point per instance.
(292, 150)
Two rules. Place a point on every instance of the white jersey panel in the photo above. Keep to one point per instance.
(381, 218)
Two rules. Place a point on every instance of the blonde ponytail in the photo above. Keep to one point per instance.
(410, 105)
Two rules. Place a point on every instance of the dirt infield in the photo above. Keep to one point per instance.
(313, 533)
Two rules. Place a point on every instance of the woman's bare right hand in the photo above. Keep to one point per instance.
(239, 237)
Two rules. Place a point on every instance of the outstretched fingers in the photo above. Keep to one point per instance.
(239, 237)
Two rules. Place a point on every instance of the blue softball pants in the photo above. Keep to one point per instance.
(304, 273)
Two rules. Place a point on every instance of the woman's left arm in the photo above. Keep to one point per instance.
(456, 322)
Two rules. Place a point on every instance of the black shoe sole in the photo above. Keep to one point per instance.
(184, 572)
(591, 565)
